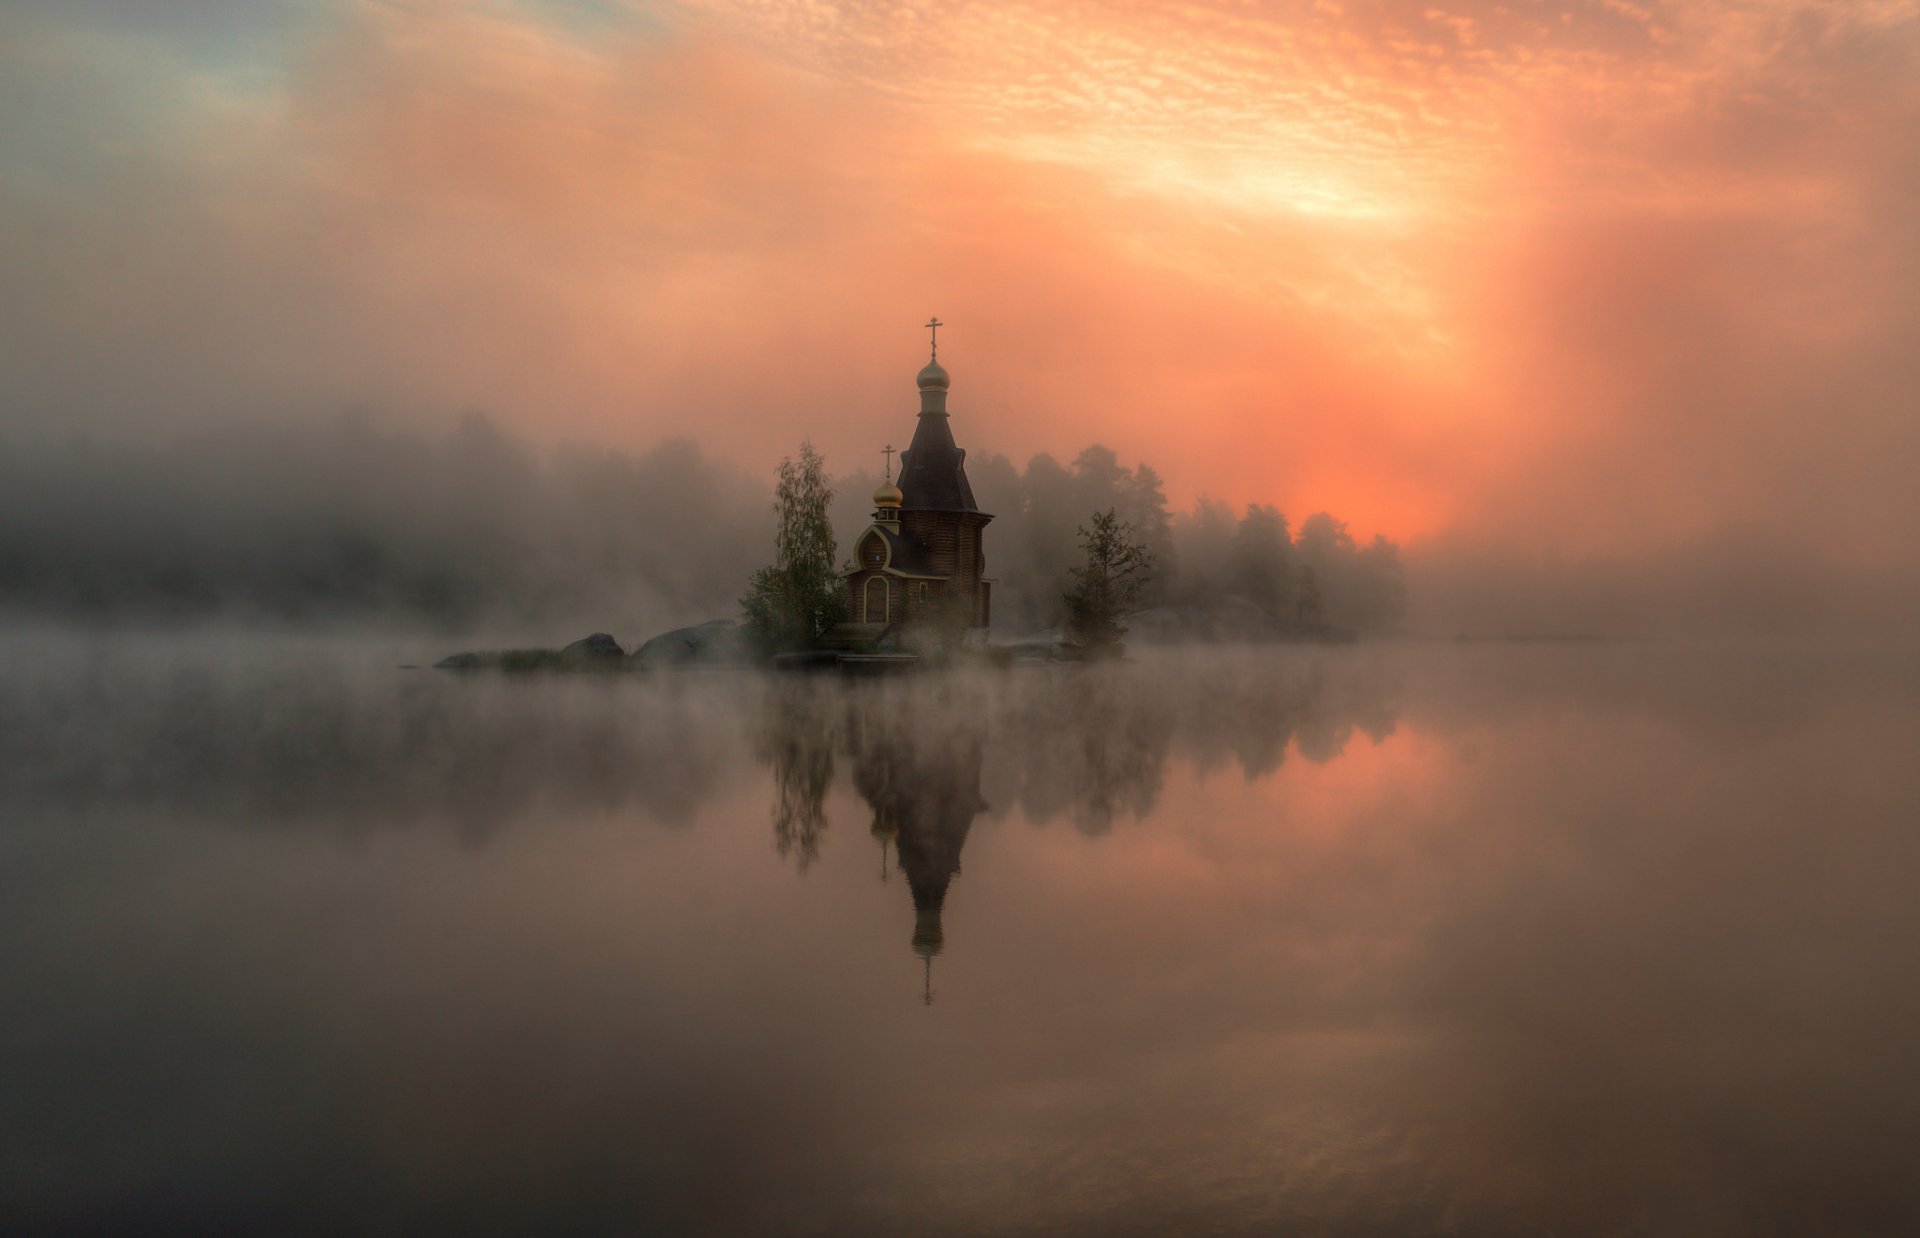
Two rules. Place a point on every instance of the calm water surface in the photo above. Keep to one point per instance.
(1602, 939)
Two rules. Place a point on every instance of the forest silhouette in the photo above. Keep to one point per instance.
(350, 520)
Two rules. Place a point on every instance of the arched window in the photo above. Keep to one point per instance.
(875, 607)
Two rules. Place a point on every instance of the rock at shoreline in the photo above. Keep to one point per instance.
(592, 653)
(592, 648)
(718, 642)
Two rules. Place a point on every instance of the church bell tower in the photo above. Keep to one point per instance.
(922, 562)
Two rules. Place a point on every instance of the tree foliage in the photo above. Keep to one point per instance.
(469, 527)
(1211, 558)
(792, 603)
(1263, 560)
(1109, 583)
(800, 750)
(1301, 581)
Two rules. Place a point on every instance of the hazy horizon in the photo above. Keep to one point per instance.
(360, 521)
(1497, 818)
(1604, 315)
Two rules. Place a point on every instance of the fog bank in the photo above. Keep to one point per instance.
(476, 529)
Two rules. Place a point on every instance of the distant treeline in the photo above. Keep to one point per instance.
(1253, 565)
(346, 519)
(353, 520)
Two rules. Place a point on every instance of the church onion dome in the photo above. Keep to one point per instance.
(932, 377)
(888, 495)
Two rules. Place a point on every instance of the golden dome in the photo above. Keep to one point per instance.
(888, 495)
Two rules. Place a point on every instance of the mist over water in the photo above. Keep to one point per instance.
(1392, 938)
(481, 532)
(1563, 359)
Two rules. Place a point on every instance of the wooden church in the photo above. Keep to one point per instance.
(920, 564)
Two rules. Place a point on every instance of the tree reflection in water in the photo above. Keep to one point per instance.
(801, 754)
(1087, 743)
(1609, 940)
(270, 741)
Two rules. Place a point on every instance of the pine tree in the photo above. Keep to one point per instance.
(1379, 587)
(1117, 568)
(1145, 508)
(792, 603)
(1263, 559)
(1309, 612)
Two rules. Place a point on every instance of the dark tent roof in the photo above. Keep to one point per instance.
(933, 472)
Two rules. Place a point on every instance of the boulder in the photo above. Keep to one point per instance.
(718, 642)
(593, 648)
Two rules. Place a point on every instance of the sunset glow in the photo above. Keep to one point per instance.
(1099, 618)
(1475, 270)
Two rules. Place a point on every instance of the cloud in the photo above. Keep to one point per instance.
(1608, 281)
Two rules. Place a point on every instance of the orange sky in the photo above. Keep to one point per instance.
(1587, 277)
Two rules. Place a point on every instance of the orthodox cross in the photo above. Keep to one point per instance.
(888, 453)
(934, 325)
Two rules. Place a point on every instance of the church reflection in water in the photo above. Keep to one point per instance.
(925, 794)
(930, 754)
(922, 785)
